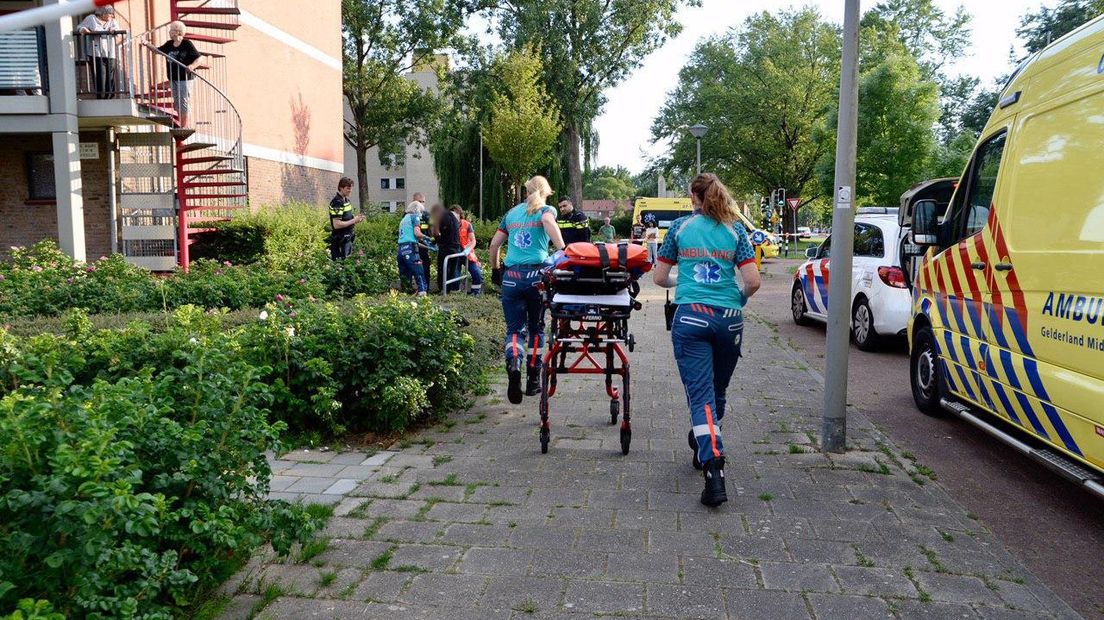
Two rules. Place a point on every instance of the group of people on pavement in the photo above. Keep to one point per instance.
(446, 231)
(716, 275)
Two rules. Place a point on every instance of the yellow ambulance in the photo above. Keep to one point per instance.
(1007, 328)
(667, 210)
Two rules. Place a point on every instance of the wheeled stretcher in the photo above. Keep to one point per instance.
(590, 294)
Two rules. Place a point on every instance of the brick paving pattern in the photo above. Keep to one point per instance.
(471, 521)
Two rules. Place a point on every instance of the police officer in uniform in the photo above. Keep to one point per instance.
(574, 224)
(342, 221)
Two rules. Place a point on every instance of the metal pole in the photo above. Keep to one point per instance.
(112, 196)
(480, 173)
(699, 154)
(834, 428)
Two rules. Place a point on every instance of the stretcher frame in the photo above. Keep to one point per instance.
(589, 337)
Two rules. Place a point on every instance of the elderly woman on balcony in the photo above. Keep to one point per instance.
(100, 30)
(183, 60)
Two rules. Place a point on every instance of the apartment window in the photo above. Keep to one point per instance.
(385, 183)
(40, 176)
(400, 183)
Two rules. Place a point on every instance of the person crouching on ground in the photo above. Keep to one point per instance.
(710, 248)
(410, 262)
(467, 240)
(528, 228)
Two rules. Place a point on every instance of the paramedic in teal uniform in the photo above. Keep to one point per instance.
(711, 248)
(527, 229)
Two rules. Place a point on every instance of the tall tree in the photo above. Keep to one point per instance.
(524, 121)
(608, 183)
(587, 47)
(762, 89)
(383, 41)
(933, 37)
(897, 110)
(1039, 28)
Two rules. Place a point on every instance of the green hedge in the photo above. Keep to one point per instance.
(131, 488)
(41, 281)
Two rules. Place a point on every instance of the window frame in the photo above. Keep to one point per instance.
(30, 169)
(958, 212)
(385, 183)
(400, 183)
(881, 235)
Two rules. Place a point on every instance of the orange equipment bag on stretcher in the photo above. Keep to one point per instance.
(606, 256)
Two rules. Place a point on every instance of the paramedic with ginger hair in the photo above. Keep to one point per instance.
(713, 253)
(528, 229)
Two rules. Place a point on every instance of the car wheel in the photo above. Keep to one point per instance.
(797, 305)
(862, 326)
(925, 374)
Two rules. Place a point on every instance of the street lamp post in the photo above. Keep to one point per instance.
(699, 131)
(834, 423)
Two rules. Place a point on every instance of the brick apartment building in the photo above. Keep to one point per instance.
(103, 165)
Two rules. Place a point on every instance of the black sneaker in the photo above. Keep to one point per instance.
(533, 383)
(513, 374)
(693, 441)
(713, 494)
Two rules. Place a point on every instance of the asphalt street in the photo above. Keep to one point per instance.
(1051, 525)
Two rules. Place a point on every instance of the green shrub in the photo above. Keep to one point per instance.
(360, 275)
(281, 237)
(41, 280)
(378, 237)
(362, 366)
(131, 493)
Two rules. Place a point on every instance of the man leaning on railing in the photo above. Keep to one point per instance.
(101, 40)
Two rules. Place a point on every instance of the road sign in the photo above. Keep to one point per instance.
(793, 202)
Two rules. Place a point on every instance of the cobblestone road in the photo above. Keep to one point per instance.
(471, 521)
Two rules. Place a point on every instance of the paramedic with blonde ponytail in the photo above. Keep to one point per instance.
(711, 249)
(528, 229)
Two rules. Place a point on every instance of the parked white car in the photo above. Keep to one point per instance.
(880, 298)
(804, 232)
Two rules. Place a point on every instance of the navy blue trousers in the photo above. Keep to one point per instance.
(707, 343)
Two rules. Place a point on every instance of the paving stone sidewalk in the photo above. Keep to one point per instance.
(471, 521)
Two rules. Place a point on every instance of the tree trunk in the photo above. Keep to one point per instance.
(574, 170)
(362, 174)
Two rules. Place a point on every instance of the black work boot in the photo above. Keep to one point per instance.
(714, 493)
(694, 446)
(513, 374)
(533, 382)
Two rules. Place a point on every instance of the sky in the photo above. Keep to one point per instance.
(624, 127)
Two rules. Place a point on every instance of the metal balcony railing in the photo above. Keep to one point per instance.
(23, 62)
(103, 65)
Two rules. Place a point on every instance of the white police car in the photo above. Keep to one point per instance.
(880, 298)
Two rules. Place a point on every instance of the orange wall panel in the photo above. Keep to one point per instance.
(317, 23)
(288, 100)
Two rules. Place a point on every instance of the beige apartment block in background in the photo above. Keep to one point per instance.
(394, 186)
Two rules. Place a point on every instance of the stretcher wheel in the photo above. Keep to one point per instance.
(626, 439)
(615, 411)
(545, 435)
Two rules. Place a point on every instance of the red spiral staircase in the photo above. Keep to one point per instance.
(210, 175)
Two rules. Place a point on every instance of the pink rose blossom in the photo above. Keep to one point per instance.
(36, 268)
(279, 298)
(227, 263)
